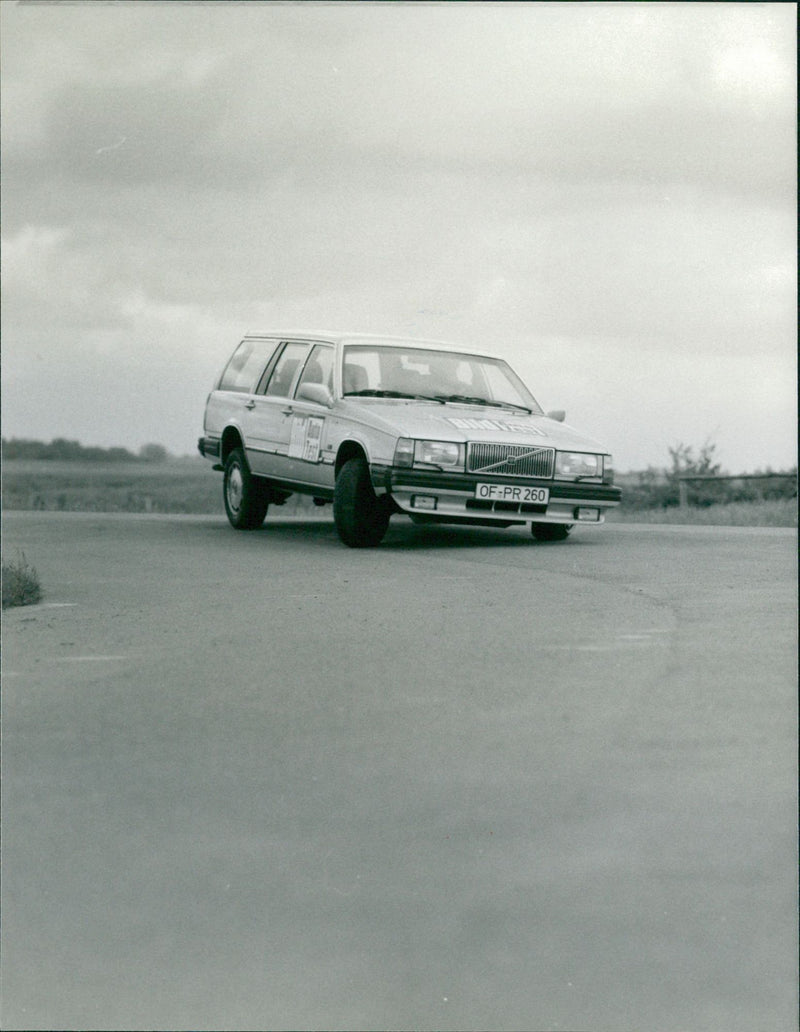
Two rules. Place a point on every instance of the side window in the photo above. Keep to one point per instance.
(246, 365)
(318, 368)
(285, 371)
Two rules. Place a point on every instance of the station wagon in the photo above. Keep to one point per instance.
(383, 426)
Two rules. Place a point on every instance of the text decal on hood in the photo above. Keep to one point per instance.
(495, 424)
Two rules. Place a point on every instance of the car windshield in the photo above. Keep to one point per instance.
(370, 370)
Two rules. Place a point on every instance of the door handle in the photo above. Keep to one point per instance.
(288, 411)
(250, 405)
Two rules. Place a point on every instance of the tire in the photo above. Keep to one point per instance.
(245, 499)
(551, 531)
(361, 517)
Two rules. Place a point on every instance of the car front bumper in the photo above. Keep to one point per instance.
(444, 496)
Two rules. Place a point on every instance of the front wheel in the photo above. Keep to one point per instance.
(551, 531)
(361, 517)
(245, 499)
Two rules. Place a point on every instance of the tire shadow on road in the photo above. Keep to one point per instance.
(404, 536)
(410, 537)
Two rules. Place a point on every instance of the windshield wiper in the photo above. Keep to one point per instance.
(466, 399)
(371, 392)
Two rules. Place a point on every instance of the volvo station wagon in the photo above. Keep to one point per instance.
(383, 427)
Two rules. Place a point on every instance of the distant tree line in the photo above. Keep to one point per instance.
(660, 489)
(62, 450)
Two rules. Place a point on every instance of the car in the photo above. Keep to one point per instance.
(380, 426)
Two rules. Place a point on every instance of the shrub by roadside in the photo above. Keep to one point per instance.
(20, 583)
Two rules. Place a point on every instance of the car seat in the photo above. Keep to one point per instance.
(355, 378)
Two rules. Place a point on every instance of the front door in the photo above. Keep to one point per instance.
(304, 432)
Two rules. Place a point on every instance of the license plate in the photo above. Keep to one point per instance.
(512, 493)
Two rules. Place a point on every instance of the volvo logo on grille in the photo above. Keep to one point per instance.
(509, 459)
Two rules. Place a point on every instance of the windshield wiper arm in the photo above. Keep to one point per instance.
(467, 399)
(513, 404)
(371, 392)
(463, 399)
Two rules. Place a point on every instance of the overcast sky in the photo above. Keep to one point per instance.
(604, 194)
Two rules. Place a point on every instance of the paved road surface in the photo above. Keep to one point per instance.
(462, 781)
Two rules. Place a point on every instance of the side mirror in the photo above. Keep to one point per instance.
(316, 392)
(558, 414)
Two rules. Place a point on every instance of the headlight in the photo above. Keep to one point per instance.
(428, 453)
(438, 453)
(578, 464)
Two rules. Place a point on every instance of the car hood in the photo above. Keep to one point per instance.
(453, 422)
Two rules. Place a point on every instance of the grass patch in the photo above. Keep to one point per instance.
(771, 512)
(20, 583)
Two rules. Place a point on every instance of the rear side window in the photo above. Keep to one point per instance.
(245, 367)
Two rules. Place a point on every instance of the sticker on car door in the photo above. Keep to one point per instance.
(306, 438)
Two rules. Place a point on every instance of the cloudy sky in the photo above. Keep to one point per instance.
(602, 193)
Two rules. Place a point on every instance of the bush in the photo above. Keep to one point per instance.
(20, 583)
(684, 462)
(153, 453)
(650, 490)
(62, 450)
(660, 489)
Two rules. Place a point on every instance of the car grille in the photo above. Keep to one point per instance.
(510, 460)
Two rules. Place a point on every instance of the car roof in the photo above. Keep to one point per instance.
(338, 337)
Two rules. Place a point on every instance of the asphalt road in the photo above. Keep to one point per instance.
(461, 781)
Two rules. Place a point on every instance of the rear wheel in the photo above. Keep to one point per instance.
(551, 531)
(361, 517)
(245, 497)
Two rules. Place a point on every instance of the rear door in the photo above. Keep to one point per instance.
(232, 403)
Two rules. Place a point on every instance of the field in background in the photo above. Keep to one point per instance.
(773, 512)
(191, 486)
(179, 485)
(173, 486)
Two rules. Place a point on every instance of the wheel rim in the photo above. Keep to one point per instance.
(235, 489)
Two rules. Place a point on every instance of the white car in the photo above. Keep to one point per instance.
(381, 425)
